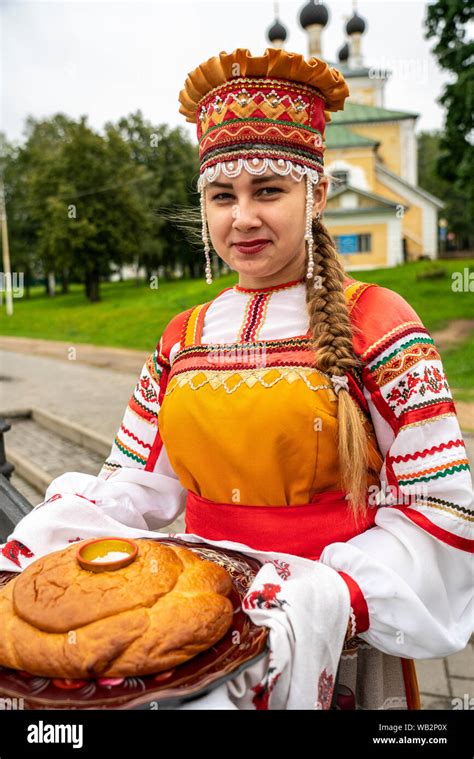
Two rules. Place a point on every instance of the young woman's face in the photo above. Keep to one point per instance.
(265, 207)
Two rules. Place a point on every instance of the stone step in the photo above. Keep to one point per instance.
(42, 446)
(49, 452)
(32, 494)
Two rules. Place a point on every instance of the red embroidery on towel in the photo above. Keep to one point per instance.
(264, 688)
(53, 498)
(282, 567)
(13, 549)
(86, 499)
(325, 690)
(266, 598)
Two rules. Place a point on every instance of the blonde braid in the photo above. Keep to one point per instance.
(332, 340)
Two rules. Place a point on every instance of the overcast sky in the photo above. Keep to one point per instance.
(108, 59)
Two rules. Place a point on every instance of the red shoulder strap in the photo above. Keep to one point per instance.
(173, 333)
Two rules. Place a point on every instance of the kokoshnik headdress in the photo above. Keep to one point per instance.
(260, 112)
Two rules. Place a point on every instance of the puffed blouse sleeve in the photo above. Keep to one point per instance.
(410, 577)
(136, 486)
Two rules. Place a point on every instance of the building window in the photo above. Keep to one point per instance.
(347, 244)
(341, 177)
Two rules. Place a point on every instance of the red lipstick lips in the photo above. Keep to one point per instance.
(251, 246)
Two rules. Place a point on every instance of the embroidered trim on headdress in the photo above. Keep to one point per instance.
(272, 106)
(256, 166)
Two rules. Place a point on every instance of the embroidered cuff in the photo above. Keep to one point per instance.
(359, 613)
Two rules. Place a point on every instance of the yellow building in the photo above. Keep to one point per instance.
(376, 211)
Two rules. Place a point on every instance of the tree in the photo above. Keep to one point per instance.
(39, 159)
(446, 20)
(171, 161)
(27, 184)
(11, 175)
(79, 205)
(100, 202)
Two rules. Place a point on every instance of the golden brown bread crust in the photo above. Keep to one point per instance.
(59, 620)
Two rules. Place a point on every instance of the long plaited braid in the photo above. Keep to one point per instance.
(332, 342)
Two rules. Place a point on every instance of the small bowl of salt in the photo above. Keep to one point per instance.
(106, 554)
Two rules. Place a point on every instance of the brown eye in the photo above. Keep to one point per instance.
(225, 195)
(221, 195)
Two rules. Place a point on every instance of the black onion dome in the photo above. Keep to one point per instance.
(343, 54)
(313, 13)
(356, 24)
(277, 32)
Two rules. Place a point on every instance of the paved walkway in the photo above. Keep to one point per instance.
(92, 396)
(96, 397)
(119, 359)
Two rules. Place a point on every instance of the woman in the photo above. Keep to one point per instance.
(299, 411)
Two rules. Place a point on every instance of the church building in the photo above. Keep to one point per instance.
(376, 211)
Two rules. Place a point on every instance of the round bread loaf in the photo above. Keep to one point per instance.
(59, 620)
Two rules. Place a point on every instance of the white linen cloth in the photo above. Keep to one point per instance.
(307, 613)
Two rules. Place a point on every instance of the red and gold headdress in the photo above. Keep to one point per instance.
(272, 106)
(260, 112)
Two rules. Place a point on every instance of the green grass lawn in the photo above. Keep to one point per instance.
(131, 316)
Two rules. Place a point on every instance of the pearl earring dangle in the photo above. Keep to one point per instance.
(309, 225)
(205, 239)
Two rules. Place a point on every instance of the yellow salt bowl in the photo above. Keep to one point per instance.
(106, 554)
